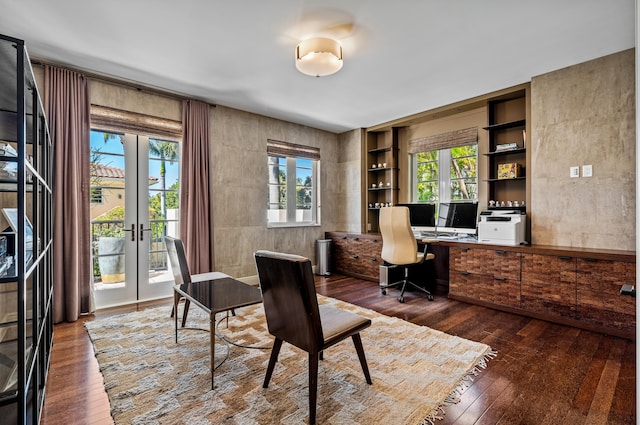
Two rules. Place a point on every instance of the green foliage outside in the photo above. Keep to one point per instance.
(115, 230)
(463, 172)
(304, 189)
(427, 177)
(303, 193)
(155, 213)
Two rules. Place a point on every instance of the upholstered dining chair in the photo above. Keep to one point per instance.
(400, 249)
(181, 275)
(294, 316)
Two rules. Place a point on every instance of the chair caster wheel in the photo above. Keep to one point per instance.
(384, 291)
(401, 299)
(430, 297)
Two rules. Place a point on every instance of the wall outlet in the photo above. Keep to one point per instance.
(574, 172)
(587, 171)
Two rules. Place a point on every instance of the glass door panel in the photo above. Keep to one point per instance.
(159, 188)
(134, 205)
(110, 196)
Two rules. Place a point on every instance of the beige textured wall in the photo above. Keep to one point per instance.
(239, 178)
(584, 114)
(238, 175)
(349, 181)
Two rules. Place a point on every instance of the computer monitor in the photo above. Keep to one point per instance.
(422, 217)
(457, 218)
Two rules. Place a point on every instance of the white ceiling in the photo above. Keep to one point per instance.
(400, 57)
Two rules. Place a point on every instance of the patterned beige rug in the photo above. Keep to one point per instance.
(152, 380)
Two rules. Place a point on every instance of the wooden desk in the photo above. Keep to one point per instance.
(578, 287)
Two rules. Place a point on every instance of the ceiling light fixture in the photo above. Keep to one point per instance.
(319, 56)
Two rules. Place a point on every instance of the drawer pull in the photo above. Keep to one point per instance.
(374, 259)
(564, 257)
(344, 237)
(590, 260)
(356, 239)
(501, 251)
(464, 249)
(500, 278)
(465, 273)
(355, 256)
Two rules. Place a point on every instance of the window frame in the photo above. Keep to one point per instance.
(291, 193)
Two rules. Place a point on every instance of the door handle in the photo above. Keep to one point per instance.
(142, 230)
(133, 232)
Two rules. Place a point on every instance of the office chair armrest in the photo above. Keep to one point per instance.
(426, 255)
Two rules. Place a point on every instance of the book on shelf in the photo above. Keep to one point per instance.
(506, 147)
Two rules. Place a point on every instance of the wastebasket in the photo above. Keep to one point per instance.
(323, 256)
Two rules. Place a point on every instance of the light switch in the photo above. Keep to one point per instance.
(574, 172)
(587, 171)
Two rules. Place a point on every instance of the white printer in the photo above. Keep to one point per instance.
(502, 227)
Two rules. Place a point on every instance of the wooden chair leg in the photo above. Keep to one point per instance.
(313, 386)
(275, 350)
(357, 341)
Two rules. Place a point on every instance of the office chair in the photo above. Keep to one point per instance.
(294, 316)
(181, 275)
(399, 247)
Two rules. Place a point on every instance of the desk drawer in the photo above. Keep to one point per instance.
(490, 262)
(556, 300)
(607, 310)
(549, 269)
(485, 288)
(357, 256)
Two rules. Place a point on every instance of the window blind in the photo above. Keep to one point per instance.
(464, 137)
(279, 148)
(111, 119)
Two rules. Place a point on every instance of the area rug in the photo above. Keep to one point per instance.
(150, 379)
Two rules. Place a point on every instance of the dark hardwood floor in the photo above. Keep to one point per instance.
(543, 374)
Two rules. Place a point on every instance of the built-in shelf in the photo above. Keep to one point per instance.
(506, 180)
(382, 169)
(506, 152)
(382, 148)
(506, 125)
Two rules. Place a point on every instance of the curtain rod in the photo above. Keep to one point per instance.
(121, 82)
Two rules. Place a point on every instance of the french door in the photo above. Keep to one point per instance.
(134, 204)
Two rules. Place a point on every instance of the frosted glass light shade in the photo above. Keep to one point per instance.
(319, 57)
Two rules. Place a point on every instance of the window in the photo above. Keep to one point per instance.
(292, 185)
(96, 195)
(447, 172)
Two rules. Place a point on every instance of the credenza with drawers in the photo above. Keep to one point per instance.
(573, 286)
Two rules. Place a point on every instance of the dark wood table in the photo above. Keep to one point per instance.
(217, 296)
